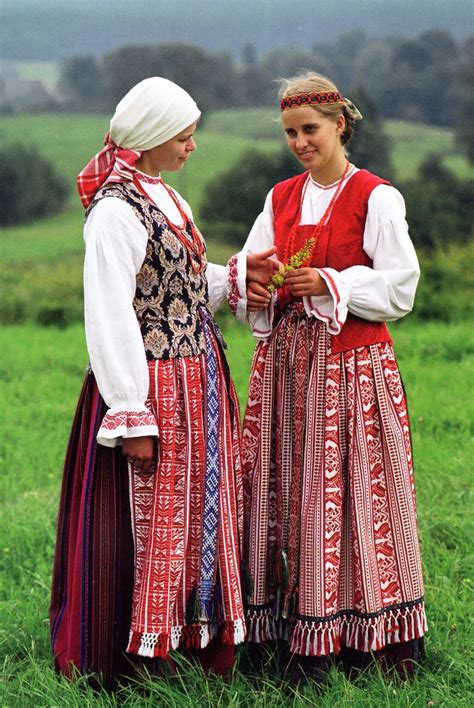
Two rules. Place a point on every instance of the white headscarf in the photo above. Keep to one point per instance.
(152, 112)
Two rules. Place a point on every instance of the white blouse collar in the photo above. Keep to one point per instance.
(350, 172)
(148, 178)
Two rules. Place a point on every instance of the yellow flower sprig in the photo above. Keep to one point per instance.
(296, 261)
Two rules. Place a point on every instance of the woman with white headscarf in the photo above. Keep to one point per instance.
(149, 529)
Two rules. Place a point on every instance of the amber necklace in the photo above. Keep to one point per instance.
(195, 245)
(299, 259)
(290, 244)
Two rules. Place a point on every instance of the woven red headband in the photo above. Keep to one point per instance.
(322, 98)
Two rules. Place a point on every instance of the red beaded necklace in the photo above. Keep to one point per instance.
(290, 244)
(195, 246)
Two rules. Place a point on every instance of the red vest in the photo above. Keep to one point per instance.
(339, 245)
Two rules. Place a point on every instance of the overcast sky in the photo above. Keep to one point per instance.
(53, 29)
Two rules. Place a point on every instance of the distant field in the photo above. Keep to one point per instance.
(411, 142)
(45, 71)
(41, 262)
(69, 140)
(41, 370)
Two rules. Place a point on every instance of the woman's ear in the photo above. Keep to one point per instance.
(340, 124)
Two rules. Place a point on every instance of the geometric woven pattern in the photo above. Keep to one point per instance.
(169, 514)
(211, 487)
(340, 503)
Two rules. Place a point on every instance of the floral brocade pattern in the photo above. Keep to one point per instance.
(168, 292)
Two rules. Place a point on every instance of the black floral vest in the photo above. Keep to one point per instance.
(168, 293)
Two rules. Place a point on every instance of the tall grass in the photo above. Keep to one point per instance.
(41, 371)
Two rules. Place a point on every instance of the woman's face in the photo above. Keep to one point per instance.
(313, 138)
(170, 156)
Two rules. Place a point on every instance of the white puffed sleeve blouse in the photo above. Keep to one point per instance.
(115, 250)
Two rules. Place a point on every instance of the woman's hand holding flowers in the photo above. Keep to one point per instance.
(305, 282)
(261, 267)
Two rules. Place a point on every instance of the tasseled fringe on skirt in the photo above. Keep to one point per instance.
(323, 637)
(261, 625)
(196, 636)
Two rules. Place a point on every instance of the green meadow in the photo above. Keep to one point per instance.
(41, 369)
(41, 262)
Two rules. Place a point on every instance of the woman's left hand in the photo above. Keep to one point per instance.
(305, 282)
(258, 297)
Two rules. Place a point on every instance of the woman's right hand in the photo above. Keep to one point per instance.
(140, 452)
(261, 266)
(258, 296)
(260, 269)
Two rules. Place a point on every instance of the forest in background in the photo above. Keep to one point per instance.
(426, 78)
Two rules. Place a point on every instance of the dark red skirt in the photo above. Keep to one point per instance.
(93, 567)
(91, 600)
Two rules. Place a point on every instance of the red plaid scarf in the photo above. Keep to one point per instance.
(111, 164)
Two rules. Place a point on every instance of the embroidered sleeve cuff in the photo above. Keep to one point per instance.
(236, 286)
(331, 308)
(119, 423)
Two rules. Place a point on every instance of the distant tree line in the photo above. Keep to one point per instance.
(419, 79)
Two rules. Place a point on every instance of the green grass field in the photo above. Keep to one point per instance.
(41, 372)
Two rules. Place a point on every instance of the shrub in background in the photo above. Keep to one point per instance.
(30, 186)
(440, 208)
(446, 289)
(234, 199)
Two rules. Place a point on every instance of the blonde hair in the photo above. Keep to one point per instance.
(311, 82)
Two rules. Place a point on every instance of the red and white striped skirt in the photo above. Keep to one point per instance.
(171, 519)
(331, 538)
(139, 567)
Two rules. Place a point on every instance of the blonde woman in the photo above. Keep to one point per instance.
(331, 535)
